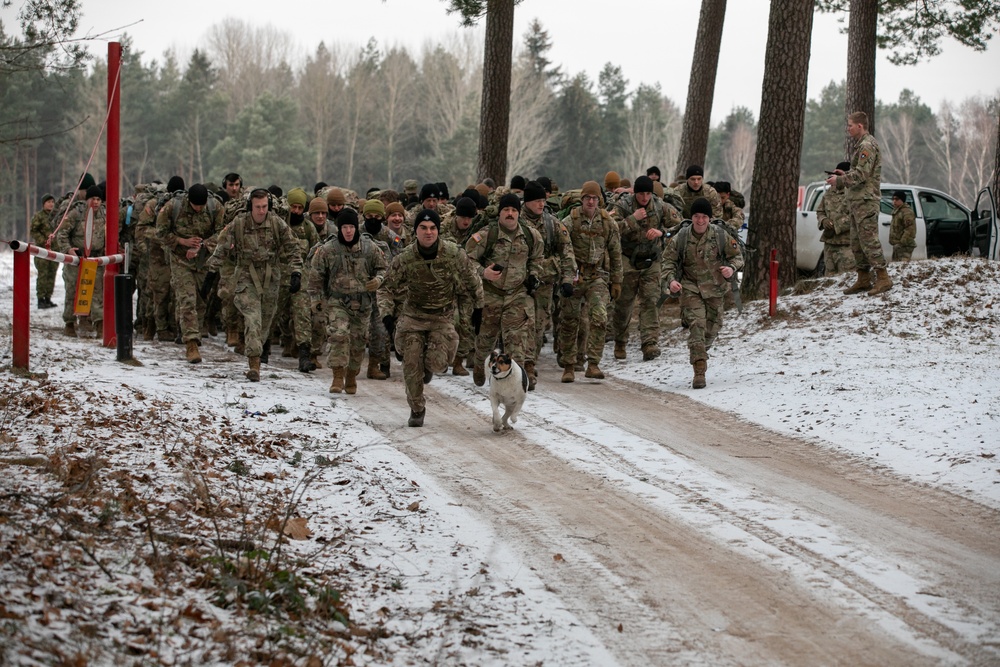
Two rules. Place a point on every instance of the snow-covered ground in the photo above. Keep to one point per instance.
(141, 505)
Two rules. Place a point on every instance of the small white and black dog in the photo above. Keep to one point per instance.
(508, 386)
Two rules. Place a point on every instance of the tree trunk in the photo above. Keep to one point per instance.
(779, 145)
(495, 117)
(701, 86)
(861, 46)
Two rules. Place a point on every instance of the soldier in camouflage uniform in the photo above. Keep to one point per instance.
(430, 197)
(232, 320)
(835, 222)
(395, 216)
(863, 184)
(698, 263)
(557, 268)
(391, 245)
(41, 229)
(508, 263)
(642, 223)
(346, 270)
(260, 245)
(188, 228)
(596, 245)
(294, 316)
(457, 228)
(318, 211)
(695, 187)
(902, 229)
(410, 198)
(161, 297)
(70, 239)
(731, 213)
(427, 278)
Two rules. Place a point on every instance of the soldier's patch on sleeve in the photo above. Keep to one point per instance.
(732, 243)
(864, 155)
(477, 237)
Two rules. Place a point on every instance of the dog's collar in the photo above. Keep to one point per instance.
(506, 375)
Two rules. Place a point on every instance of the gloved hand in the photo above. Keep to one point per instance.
(828, 224)
(566, 289)
(296, 284)
(532, 284)
(477, 320)
(390, 326)
(616, 291)
(211, 280)
(372, 285)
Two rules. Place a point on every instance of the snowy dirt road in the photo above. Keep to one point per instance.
(680, 534)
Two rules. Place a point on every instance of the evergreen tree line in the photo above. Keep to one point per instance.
(378, 115)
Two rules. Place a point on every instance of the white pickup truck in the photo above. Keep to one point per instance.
(944, 227)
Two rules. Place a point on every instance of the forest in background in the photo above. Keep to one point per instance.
(374, 116)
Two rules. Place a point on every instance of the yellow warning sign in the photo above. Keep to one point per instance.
(85, 281)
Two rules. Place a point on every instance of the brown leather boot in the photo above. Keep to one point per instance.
(351, 382)
(568, 374)
(149, 332)
(232, 337)
(700, 367)
(288, 347)
(883, 283)
(479, 375)
(594, 372)
(70, 329)
(620, 350)
(254, 373)
(862, 284)
(192, 355)
(374, 372)
(529, 368)
(337, 385)
(458, 368)
(650, 351)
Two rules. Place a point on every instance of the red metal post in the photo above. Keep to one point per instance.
(774, 283)
(22, 306)
(113, 193)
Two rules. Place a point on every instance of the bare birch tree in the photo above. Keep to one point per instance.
(739, 156)
(898, 144)
(394, 105)
(533, 133)
(320, 94)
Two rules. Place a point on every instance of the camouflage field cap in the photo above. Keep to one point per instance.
(410, 186)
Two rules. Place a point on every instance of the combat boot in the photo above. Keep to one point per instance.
(386, 369)
(314, 360)
(457, 368)
(305, 363)
(594, 371)
(700, 367)
(416, 418)
(862, 284)
(650, 351)
(568, 374)
(192, 355)
(351, 382)
(337, 385)
(265, 354)
(479, 374)
(149, 332)
(288, 347)
(254, 373)
(529, 368)
(232, 337)
(883, 283)
(620, 350)
(70, 329)
(374, 372)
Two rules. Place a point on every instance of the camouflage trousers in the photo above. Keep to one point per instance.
(837, 259)
(704, 316)
(257, 309)
(232, 318)
(318, 320)
(510, 318)
(589, 301)
(378, 339)
(160, 297)
(186, 283)
(902, 253)
(292, 317)
(429, 342)
(865, 244)
(45, 283)
(96, 316)
(347, 331)
(544, 298)
(463, 325)
(643, 286)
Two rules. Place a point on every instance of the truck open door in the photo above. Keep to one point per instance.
(985, 231)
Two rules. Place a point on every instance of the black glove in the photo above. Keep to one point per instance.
(390, 326)
(211, 280)
(532, 282)
(477, 319)
(566, 289)
(296, 283)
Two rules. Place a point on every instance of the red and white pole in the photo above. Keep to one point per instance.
(22, 316)
(113, 192)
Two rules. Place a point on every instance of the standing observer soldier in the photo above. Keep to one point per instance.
(188, 227)
(834, 221)
(259, 244)
(70, 239)
(902, 229)
(863, 182)
(698, 263)
(41, 229)
(427, 278)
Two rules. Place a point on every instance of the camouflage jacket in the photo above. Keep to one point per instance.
(519, 257)
(732, 214)
(340, 271)
(188, 223)
(41, 227)
(833, 207)
(558, 264)
(261, 252)
(703, 257)
(73, 231)
(689, 195)
(659, 215)
(903, 228)
(596, 243)
(864, 180)
(306, 234)
(429, 286)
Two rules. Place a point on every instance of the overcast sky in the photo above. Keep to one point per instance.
(585, 35)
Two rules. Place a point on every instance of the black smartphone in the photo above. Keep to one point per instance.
(499, 267)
